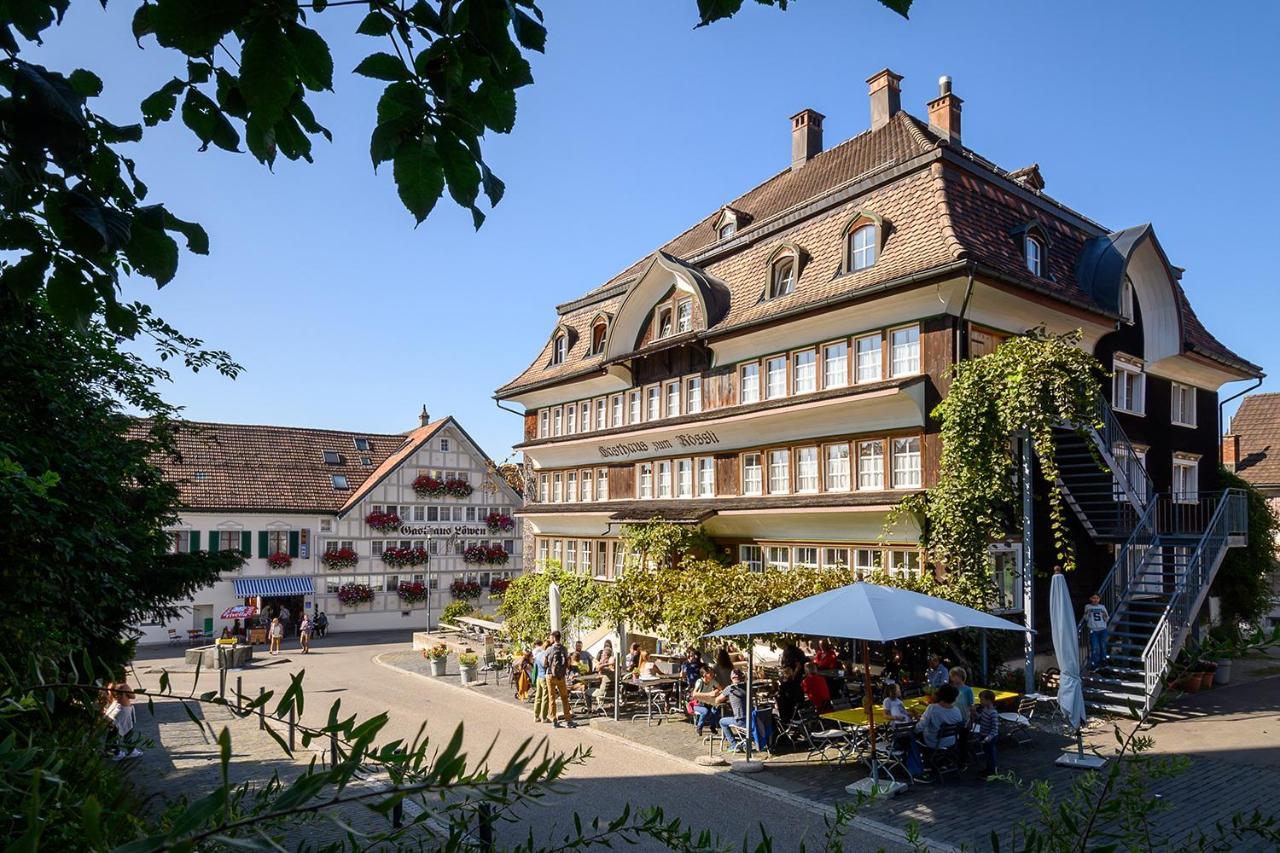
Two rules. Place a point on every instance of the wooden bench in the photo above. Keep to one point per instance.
(448, 626)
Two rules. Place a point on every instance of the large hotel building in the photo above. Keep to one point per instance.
(770, 372)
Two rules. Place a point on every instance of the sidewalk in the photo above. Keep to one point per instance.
(967, 808)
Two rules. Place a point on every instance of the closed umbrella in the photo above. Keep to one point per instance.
(867, 612)
(1066, 647)
(553, 604)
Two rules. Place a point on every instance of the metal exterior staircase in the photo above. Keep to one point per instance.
(1102, 478)
(1153, 593)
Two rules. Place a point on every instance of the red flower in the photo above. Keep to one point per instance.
(279, 560)
(382, 521)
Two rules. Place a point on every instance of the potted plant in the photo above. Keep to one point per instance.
(355, 594)
(339, 558)
(383, 522)
(279, 560)
(1222, 675)
(1207, 671)
(437, 657)
(426, 486)
(468, 667)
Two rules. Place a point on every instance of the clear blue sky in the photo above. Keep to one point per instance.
(346, 316)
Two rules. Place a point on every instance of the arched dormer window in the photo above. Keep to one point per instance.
(863, 237)
(782, 278)
(665, 327)
(1033, 251)
(727, 229)
(729, 221)
(1126, 300)
(599, 334)
(559, 348)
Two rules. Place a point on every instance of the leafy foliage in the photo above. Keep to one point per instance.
(1243, 584)
(664, 543)
(1030, 384)
(525, 607)
(454, 609)
(710, 11)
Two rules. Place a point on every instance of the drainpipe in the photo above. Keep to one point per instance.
(498, 403)
(964, 308)
(1223, 403)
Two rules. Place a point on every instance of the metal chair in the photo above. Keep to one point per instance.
(1017, 724)
(820, 740)
(893, 745)
(943, 759)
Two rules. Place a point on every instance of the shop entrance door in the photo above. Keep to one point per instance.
(202, 618)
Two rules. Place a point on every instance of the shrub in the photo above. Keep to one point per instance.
(455, 609)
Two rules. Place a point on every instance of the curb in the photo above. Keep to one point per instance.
(872, 827)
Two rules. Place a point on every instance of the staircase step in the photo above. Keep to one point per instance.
(1113, 708)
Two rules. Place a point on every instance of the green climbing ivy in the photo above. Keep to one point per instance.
(1031, 383)
(661, 543)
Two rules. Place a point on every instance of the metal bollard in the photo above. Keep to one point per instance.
(397, 814)
(239, 692)
(293, 721)
(485, 829)
(262, 714)
(222, 677)
(333, 749)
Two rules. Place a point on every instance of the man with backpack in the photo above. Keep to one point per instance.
(557, 666)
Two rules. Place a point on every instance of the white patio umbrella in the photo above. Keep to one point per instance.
(867, 612)
(553, 604)
(1066, 647)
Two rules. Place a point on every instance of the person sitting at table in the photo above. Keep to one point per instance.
(894, 709)
(794, 657)
(606, 662)
(816, 689)
(701, 697)
(632, 663)
(647, 667)
(825, 657)
(964, 697)
(226, 632)
(724, 667)
(938, 674)
(942, 712)
(573, 678)
(524, 675)
(691, 669)
(735, 696)
(790, 693)
(584, 656)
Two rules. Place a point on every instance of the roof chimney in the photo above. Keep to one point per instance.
(944, 111)
(886, 97)
(423, 417)
(1231, 452)
(806, 136)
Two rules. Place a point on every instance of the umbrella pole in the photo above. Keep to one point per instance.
(869, 703)
(751, 650)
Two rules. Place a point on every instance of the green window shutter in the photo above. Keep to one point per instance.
(293, 543)
(246, 543)
(213, 541)
(262, 544)
(195, 540)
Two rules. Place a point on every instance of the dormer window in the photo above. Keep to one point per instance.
(727, 229)
(664, 323)
(684, 315)
(559, 348)
(331, 457)
(340, 482)
(599, 334)
(1126, 300)
(362, 444)
(862, 247)
(729, 221)
(1034, 251)
(783, 278)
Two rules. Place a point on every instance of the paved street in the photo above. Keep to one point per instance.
(617, 774)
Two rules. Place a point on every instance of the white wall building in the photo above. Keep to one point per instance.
(295, 496)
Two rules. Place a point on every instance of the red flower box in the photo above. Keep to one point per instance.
(383, 522)
(340, 558)
(279, 560)
(411, 592)
(355, 593)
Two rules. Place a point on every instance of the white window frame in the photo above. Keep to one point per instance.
(672, 402)
(684, 478)
(804, 376)
(1008, 583)
(544, 423)
(833, 560)
(905, 357)
(753, 485)
(693, 395)
(570, 487)
(752, 556)
(1185, 480)
(805, 556)
(771, 389)
(664, 475)
(862, 247)
(779, 460)
(557, 421)
(905, 563)
(587, 478)
(835, 467)
(571, 419)
(778, 557)
(666, 322)
(1033, 249)
(838, 378)
(644, 481)
(684, 315)
(584, 416)
(602, 413)
(814, 473)
(867, 561)
(1126, 300)
(557, 488)
(544, 489)
(1125, 397)
(872, 478)
(653, 403)
(749, 382)
(602, 484)
(635, 406)
(559, 349)
(1182, 404)
(868, 369)
(706, 474)
(782, 278)
(911, 469)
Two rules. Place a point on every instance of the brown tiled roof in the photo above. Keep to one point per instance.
(943, 204)
(415, 439)
(252, 468)
(1257, 423)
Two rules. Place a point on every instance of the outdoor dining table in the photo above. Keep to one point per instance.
(857, 717)
(653, 688)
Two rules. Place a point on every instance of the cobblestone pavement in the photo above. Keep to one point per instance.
(1224, 777)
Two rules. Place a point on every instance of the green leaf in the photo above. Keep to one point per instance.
(85, 83)
(496, 107)
(419, 177)
(268, 75)
(493, 186)
(160, 104)
(152, 251)
(194, 26)
(25, 278)
(529, 32)
(197, 238)
(383, 66)
(314, 61)
(460, 169)
(375, 24)
(143, 22)
(71, 298)
(208, 122)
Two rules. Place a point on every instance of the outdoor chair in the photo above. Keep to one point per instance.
(793, 732)
(1017, 724)
(821, 740)
(174, 639)
(740, 736)
(893, 748)
(942, 760)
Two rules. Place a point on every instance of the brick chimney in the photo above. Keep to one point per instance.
(944, 111)
(1230, 452)
(886, 97)
(423, 417)
(806, 136)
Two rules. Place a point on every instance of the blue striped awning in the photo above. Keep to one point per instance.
(267, 587)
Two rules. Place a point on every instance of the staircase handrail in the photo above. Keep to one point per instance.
(1113, 434)
(1170, 631)
(1144, 531)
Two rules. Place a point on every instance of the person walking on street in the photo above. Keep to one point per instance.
(541, 713)
(322, 624)
(557, 666)
(305, 627)
(276, 634)
(1096, 618)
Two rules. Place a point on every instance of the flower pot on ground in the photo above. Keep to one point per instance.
(436, 666)
(1223, 674)
(437, 656)
(1206, 677)
(1189, 683)
(468, 667)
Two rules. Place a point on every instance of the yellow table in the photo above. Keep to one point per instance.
(916, 706)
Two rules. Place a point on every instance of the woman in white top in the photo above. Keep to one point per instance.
(120, 712)
(276, 633)
(893, 707)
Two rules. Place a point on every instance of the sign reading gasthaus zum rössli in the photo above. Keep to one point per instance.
(683, 440)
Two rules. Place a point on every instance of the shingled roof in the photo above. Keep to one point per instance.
(946, 207)
(253, 468)
(1257, 423)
